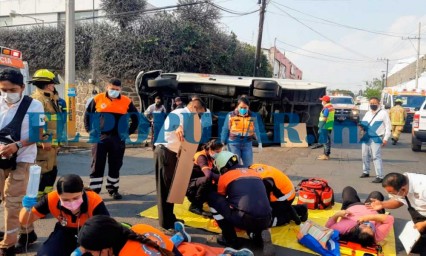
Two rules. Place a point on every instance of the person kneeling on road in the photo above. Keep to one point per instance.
(281, 196)
(102, 235)
(358, 222)
(202, 176)
(71, 205)
(241, 202)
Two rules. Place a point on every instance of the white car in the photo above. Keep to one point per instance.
(418, 134)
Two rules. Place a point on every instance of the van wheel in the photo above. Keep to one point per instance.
(265, 85)
(416, 145)
(163, 82)
(264, 93)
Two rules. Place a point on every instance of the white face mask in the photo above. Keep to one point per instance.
(113, 93)
(11, 97)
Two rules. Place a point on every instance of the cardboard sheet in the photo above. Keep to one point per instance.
(284, 236)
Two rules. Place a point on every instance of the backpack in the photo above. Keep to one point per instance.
(12, 133)
(315, 193)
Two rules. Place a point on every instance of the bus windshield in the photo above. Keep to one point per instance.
(411, 101)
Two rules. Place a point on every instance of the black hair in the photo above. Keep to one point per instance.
(394, 180)
(213, 144)
(203, 105)
(102, 232)
(70, 183)
(244, 99)
(357, 236)
(13, 76)
(115, 81)
(41, 84)
(374, 98)
(398, 103)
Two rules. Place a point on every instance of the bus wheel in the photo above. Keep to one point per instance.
(264, 93)
(265, 85)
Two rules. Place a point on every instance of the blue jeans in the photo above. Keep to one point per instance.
(325, 139)
(372, 149)
(243, 149)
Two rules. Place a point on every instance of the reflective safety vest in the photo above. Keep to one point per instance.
(283, 188)
(329, 121)
(397, 115)
(106, 105)
(51, 109)
(137, 248)
(241, 126)
(203, 153)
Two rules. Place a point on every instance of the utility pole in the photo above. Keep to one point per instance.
(418, 57)
(70, 90)
(385, 84)
(259, 37)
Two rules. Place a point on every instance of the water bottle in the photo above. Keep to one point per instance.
(34, 181)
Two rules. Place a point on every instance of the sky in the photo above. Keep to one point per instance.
(327, 40)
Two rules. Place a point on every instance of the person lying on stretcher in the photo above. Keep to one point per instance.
(357, 223)
(103, 236)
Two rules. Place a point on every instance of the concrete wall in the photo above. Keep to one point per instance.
(408, 73)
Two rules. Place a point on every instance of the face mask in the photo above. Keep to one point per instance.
(73, 205)
(374, 107)
(113, 93)
(398, 195)
(243, 111)
(371, 225)
(213, 155)
(11, 97)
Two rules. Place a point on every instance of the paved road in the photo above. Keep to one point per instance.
(138, 187)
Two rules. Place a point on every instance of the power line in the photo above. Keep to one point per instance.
(343, 25)
(323, 36)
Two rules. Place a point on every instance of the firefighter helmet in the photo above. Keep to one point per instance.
(225, 159)
(398, 101)
(44, 75)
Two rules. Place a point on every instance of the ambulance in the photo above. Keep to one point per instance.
(11, 58)
(412, 99)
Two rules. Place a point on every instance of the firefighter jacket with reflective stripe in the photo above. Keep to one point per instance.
(245, 191)
(52, 110)
(116, 109)
(397, 115)
(278, 185)
(91, 202)
(137, 248)
(327, 122)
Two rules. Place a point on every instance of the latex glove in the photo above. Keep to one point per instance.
(259, 147)
(77, 252)
(29, 202)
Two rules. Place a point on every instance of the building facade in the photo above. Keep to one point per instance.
(407, 73)
(282, 67)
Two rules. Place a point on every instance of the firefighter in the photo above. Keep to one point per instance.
(47, 151)
(281, 193)
(202, 176)
(325, 126)
(111, 106)
(397, 116)
(241, 202)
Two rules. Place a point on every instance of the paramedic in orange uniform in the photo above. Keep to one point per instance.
(202, 176)
(114, 130)
(241, 202)
(71, 205)
(281, 196)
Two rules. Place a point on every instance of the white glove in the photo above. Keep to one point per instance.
(259, 147)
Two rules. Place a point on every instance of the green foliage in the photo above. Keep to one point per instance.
(172, 42)
(374, 89)
(116, 8)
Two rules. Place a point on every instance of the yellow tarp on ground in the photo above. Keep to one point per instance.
(284, 236)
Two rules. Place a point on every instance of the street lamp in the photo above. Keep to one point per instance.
(13, 14)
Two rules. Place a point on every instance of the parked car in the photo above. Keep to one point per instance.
(418, 134)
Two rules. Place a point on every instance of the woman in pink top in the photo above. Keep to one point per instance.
(358, 223)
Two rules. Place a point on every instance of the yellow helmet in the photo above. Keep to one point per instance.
(44, 75)
(399, 101)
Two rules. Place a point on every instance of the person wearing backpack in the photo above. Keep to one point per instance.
(21, 125)
(377, 130)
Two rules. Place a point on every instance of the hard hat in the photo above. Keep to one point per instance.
(325, 98)
(225, 159)
(399, 101)
(44, 75)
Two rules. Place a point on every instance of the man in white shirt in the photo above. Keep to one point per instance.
(20, 117)
(407, 189)
(155, 113)
(165, 158)
(377, 130)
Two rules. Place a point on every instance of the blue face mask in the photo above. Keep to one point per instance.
(242, 111)
(113, 93)
(371, 225)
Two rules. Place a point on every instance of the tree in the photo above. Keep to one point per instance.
(115, 8)
(374, 88)
(204, 14)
